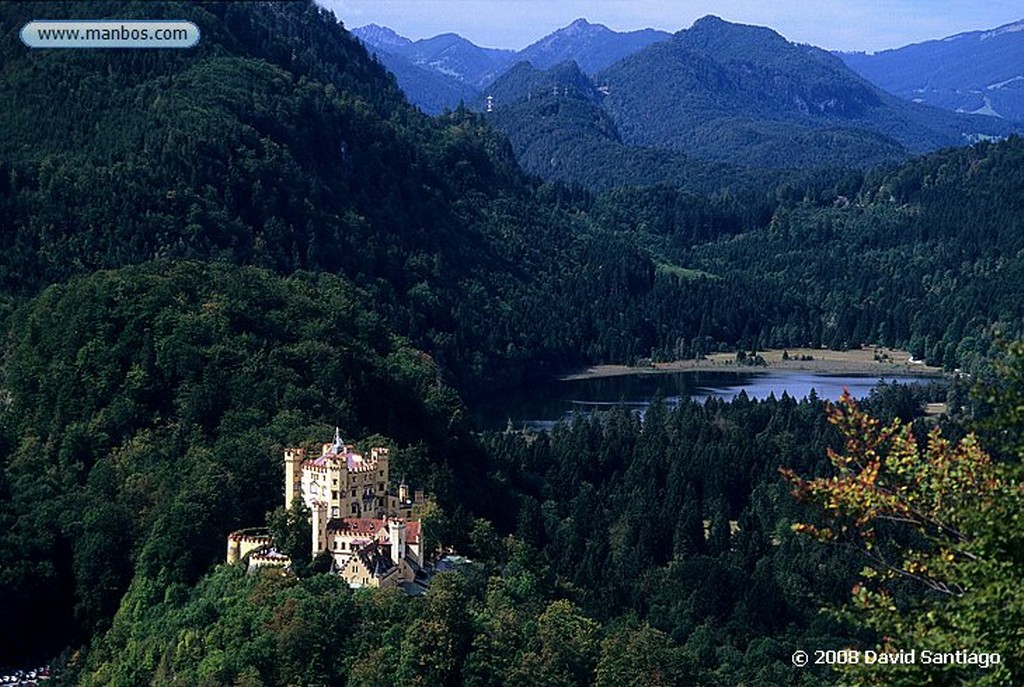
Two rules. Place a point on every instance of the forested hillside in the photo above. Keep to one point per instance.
(978, 71)
(208, 255)
(560, 132)
(278, 143)
(658, 553)
(927, 255)
(717, 88)
(716, 106)
(146, 407)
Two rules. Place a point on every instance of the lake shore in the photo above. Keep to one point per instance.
(881, 361)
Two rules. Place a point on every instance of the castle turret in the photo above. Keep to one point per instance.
(234, 550)
(396, 534)
(319, 529)
(293, 458)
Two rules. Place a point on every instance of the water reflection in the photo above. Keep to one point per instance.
(542, 407)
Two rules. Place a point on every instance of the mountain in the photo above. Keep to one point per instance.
(381, 37)
(254, 234)
(697, 110)
(432, 91)
(723, 91)
(591, 46)
(559, 131)
(280, 143)
(443, 71)
(436, 73)
(448, 54)
(980, 72)
(524, 81)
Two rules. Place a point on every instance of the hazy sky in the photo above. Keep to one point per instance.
(831, 24)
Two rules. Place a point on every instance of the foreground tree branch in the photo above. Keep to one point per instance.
(941, 527)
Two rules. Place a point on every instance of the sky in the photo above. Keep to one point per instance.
(869, 25)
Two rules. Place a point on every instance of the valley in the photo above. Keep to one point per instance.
(295, 230)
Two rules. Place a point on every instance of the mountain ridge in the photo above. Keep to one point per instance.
(980, 72)
(719, 93)
(443, 71)
(592, 47)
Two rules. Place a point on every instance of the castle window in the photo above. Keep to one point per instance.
(380, 486)
(334, 495)
(334, 512)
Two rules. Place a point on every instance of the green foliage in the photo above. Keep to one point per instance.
(717, 106)
(278, 143)
(641, 657)
(940, 526)
(292, 534)
(170, 225)
(733, 92)
(681, 524)
(274, 629)
(147, 411)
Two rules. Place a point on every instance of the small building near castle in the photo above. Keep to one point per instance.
(370, 552)
(372, 534)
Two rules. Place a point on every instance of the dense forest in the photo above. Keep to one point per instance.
(206, 256)
(608, 541)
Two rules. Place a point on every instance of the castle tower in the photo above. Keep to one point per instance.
(234, 550)
(396, 534)
(293, 458)
(319, 529)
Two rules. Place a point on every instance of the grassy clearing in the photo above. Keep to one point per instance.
(683, 273)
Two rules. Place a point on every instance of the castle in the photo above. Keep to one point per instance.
(373, 536)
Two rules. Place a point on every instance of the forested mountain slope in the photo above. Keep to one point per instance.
(928, 254)
(714, 107)
(722, 91)
(431, 91)
(560, 131)
(277, 142)
(592, 46)
(441, 72)
(979, 71)
(146, 411)
(447, 53)
(209, 255)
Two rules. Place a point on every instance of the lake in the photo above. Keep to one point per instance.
(541, 407)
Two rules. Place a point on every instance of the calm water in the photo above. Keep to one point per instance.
(541, 407)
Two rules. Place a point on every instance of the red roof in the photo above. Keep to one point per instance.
(369, 527)
(356, 526)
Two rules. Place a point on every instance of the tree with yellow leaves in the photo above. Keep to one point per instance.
(941, 525)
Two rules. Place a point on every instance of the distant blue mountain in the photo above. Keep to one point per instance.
(440, 72)
(719, 103)
(432, 90)
(724, 91)
(448, 54)
(591, 46)
(980, 72)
